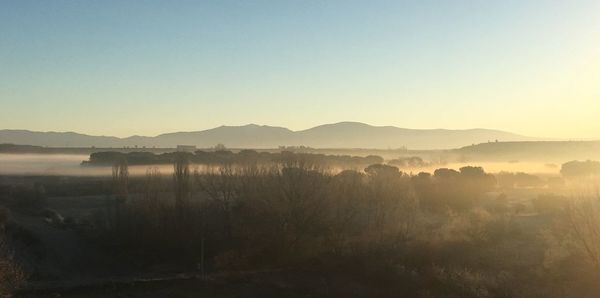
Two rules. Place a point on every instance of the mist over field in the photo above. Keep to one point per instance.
(70, 165)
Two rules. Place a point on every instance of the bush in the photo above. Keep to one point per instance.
(12, 276)
(450, 189)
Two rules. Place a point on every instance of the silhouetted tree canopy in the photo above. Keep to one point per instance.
(382, 170)
(575, 168)
(409, 162)
(243, 157)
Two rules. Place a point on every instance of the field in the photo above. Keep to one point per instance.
(297, 228)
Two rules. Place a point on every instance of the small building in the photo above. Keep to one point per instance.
(186, 148)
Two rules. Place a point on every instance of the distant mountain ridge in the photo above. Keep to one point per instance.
(336, 135)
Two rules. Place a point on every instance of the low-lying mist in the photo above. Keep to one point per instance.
(61, 165)
(70, 165)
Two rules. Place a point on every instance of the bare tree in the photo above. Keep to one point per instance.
(181, 179)
(120, 175)
(583, 223)
(301, 202)
(220, 185)
(120, 178)
(152, 185)
(392, 205)
(152, 206)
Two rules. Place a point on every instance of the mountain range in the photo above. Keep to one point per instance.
(337, 135)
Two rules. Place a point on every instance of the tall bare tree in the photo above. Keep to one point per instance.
(120, 178)
(583, 222)
(181, 179)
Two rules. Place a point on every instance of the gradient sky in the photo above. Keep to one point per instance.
(147, 67)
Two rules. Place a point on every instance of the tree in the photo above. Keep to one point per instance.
(373, 159)
(445, 173)
(220, 147)
(383, 170)
(477, 180)
(120, 178)
(583, 228)
(181, 179)
(392, 204)
(578, 169)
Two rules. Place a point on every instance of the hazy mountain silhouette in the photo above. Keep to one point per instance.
(338, 135)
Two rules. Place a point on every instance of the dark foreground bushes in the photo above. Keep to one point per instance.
(12, 275)
(424, 235)
(265, 216)
(379, 222)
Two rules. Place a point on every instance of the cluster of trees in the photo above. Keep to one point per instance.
(457, 190)
(409, 162)
(219, 157)
(420, 230)
(570, 171)
(11, 148)
(580, 169)
(244, 217)
(247, 215)
(519, 179)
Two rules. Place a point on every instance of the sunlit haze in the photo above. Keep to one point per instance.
(299, 148)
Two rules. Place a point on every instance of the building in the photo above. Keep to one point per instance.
(186, 148)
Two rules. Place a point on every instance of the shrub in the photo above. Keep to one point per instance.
(12, 276)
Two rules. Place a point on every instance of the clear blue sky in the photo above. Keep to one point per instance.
(147, 67)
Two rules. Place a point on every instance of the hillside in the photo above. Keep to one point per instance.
(338, 135)
(532, 151)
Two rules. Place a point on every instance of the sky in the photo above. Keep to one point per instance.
(147, 67)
